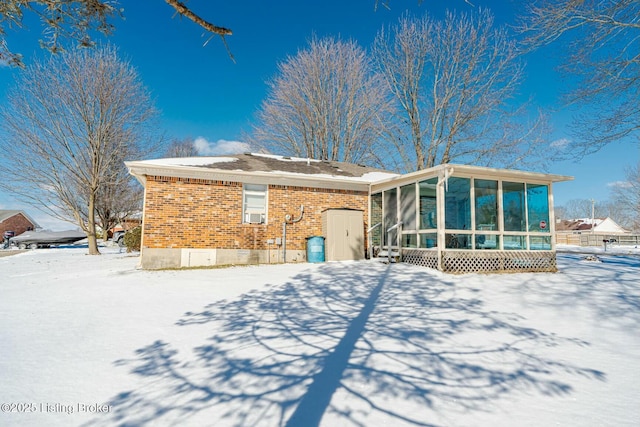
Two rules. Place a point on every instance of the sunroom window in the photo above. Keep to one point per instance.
(513, 200)
(457, 202)
(428, 205)
(408, 206)
(486, 204)
(538, 208)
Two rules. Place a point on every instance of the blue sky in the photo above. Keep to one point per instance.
(203, 94)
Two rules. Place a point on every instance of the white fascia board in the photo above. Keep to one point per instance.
(493, 173)
(469, 172)
(140, 170)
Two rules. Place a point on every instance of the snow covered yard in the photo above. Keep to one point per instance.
(92, 341)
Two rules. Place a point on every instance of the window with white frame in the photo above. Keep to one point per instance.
(254, 204)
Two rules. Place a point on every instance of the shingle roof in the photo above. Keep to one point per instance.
(585, 224)
(256, 162)
(251, 162)
(257, 168)
(266, 168)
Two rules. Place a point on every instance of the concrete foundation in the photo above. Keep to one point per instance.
(156, 259)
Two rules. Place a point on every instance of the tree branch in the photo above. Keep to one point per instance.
(183, 10)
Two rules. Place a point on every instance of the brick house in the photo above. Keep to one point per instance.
(588, 231)
(257, 208)
(17, 221)
(247, 208)
(595, 225)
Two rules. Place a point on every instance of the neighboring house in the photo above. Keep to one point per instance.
(17, 221)
(256, 208)
(597, 226)
(130, 222)
(587, 232)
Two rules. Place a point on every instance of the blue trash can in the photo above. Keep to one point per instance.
(315, 249)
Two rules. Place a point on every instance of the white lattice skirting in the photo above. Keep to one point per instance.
(421, 257)
(484, 262)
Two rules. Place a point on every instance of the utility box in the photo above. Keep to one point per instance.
(344, 234)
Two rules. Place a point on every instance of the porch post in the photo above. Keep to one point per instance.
(552, 218)
(440, 218)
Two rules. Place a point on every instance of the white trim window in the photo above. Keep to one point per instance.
(254, 204)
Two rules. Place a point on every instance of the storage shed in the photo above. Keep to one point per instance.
(344, 233)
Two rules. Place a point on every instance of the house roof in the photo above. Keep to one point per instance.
(257, 168)
(572, 225)
(600, 225)
(5, 214)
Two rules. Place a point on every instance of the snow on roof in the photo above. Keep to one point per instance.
(284, 158)
(608, 225)
(302, 171)
(600, 225)
(190, 161)
(378, 176)
(259, 164)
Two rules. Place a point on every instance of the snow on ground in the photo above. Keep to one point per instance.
(334, 344)
(611, 249)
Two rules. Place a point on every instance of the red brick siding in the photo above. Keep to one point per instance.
(18, 223)
(196, 213)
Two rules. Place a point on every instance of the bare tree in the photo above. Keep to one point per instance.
(77, 19)
(626, 199)
(584, 208)
(68, 124)
(600, 41)
(455, 82)
(182, 148)
(560, 212)
(119, 199)
(325, 103)
(577, 208)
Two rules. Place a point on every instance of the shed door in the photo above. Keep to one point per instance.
(345, 235)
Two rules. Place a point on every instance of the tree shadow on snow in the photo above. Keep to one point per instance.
(343, 343)
(607, 287)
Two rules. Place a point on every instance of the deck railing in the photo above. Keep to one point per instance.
(371, 240)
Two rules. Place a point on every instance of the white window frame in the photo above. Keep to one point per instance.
(254, 190)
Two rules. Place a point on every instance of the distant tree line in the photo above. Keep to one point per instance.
(623, 205)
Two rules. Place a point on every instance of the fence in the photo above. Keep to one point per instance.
(588, 239)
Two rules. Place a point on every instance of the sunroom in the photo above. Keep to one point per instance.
(463, 219)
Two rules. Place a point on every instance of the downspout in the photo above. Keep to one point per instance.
(284, 242)
(288, 220)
